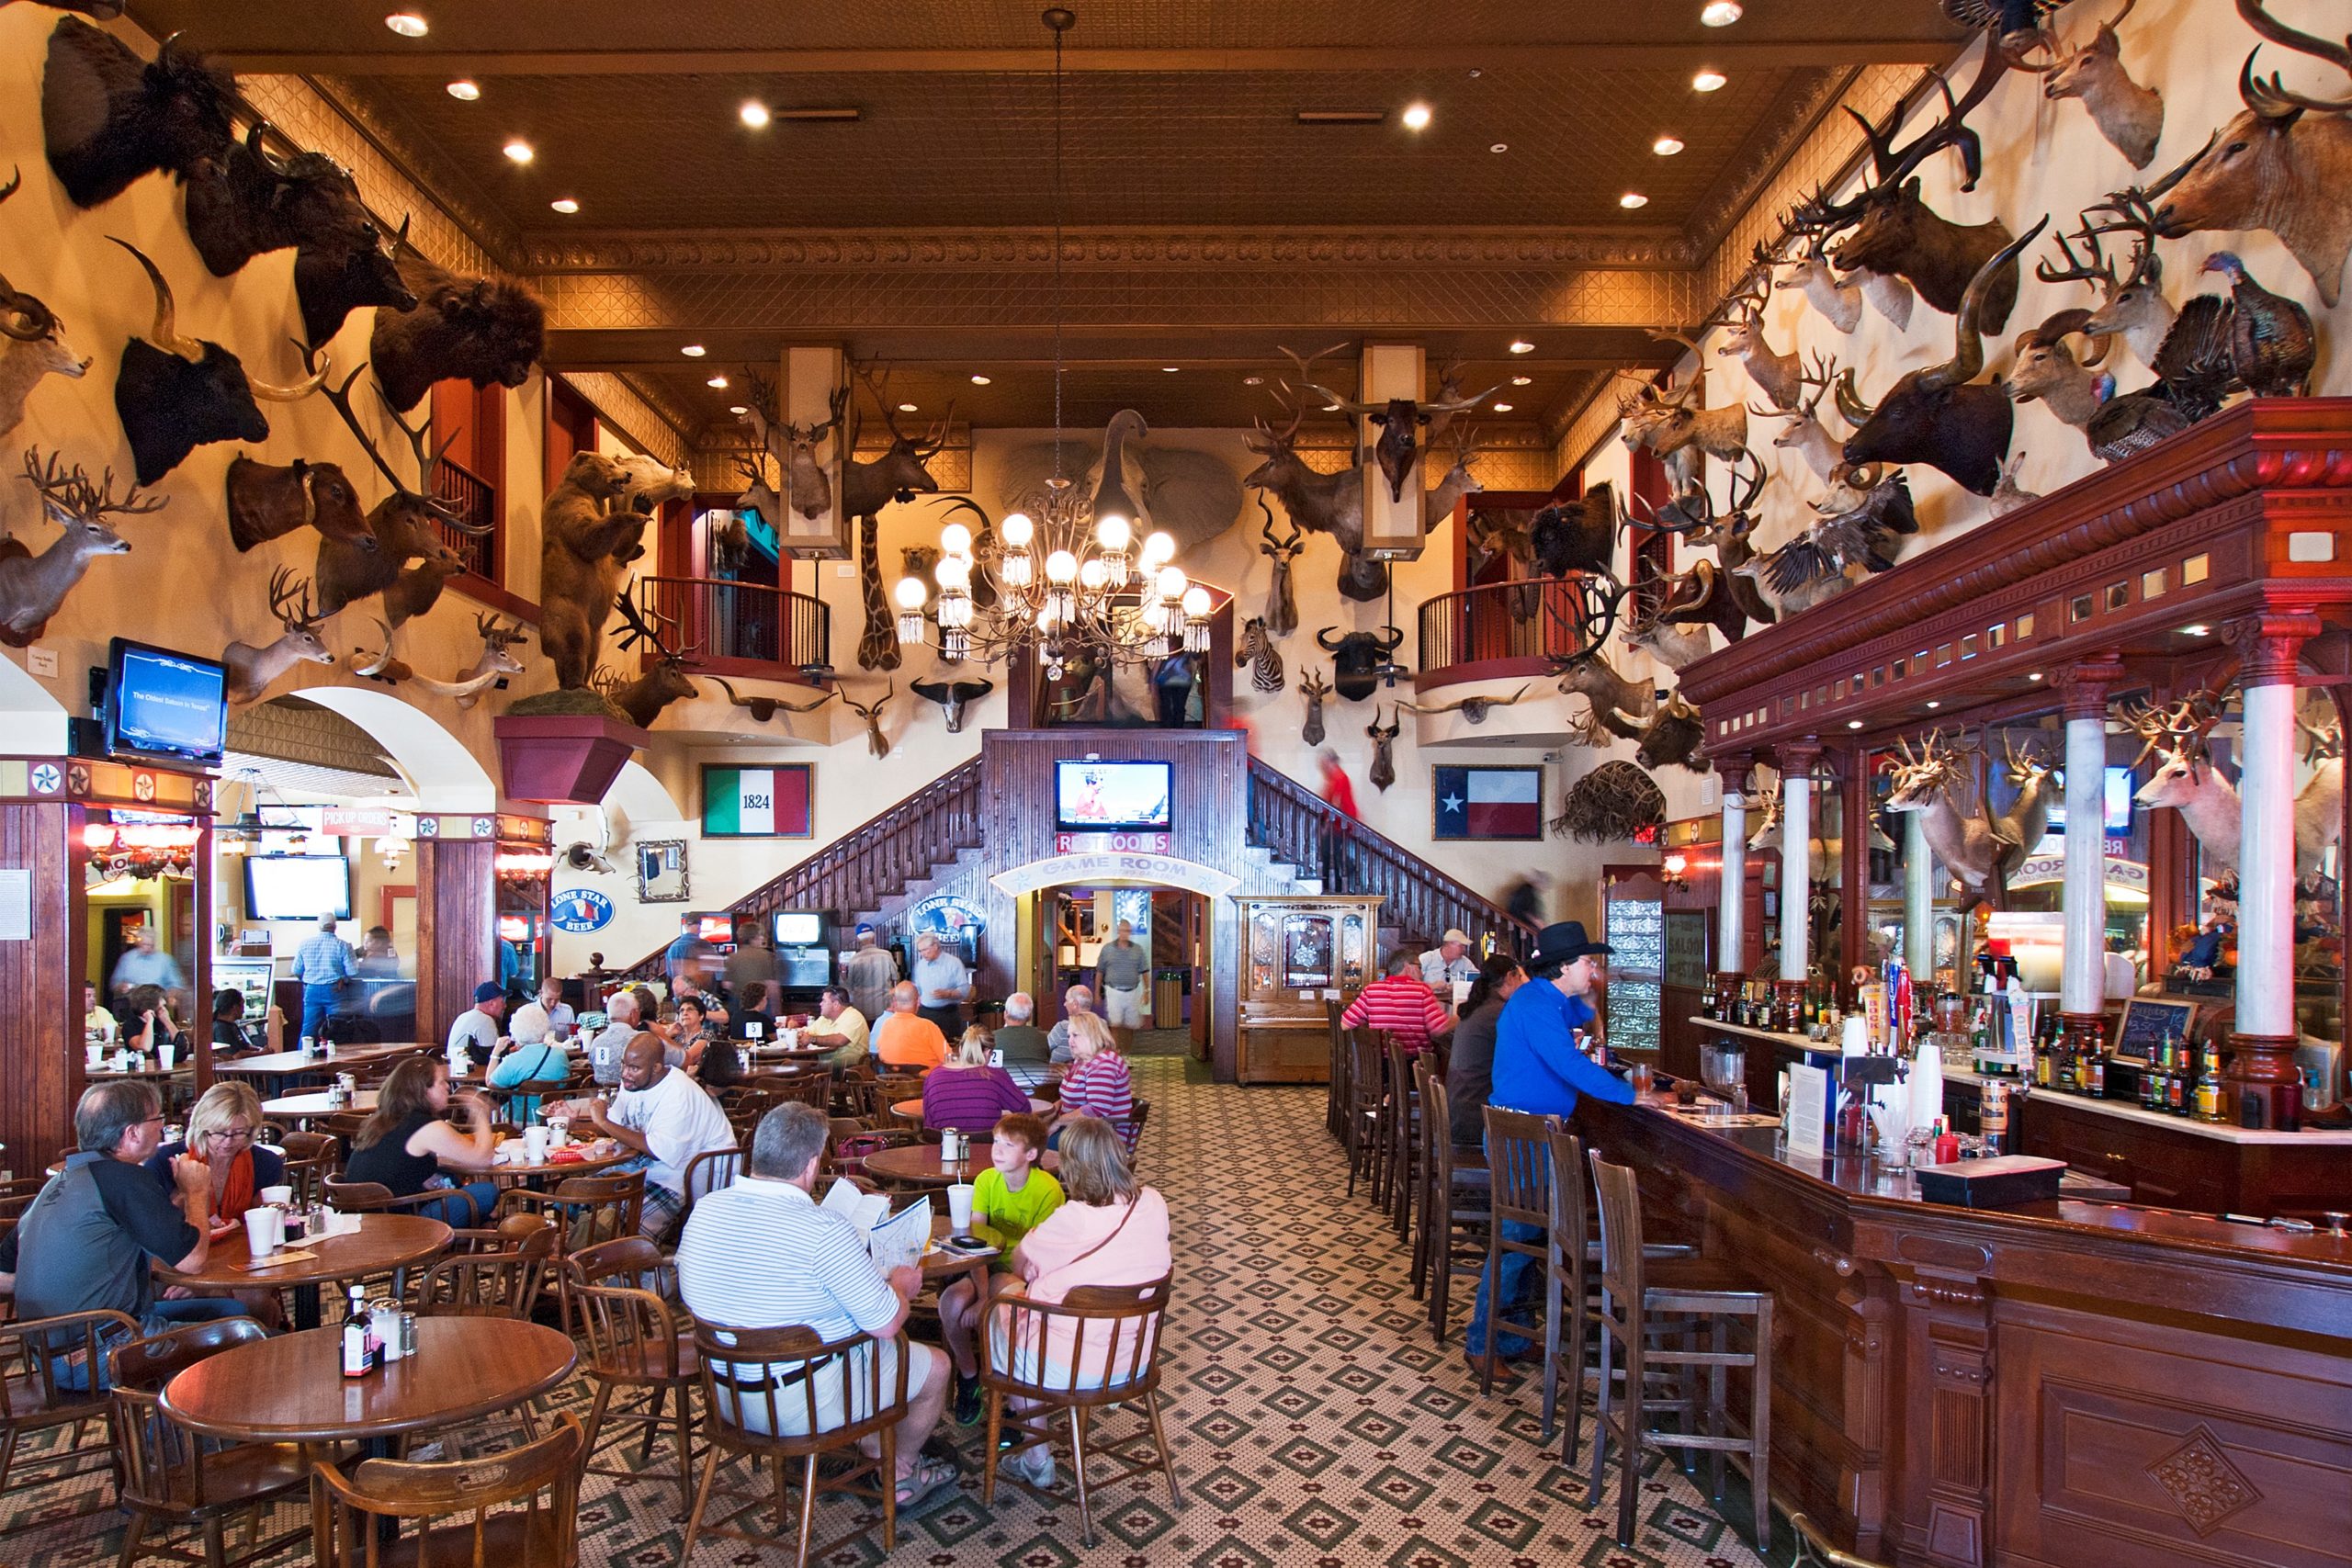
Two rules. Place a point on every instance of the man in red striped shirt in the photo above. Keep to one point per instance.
(1400, 1003)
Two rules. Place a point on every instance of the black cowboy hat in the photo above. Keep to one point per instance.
(1563, 945)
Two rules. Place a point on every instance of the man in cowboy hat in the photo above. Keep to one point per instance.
(1540, 1069)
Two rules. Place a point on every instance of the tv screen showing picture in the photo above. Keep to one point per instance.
(714, 928)
(164, 703)
(297, 887)
(805, 968)
(796, 928)
(1111, 796)
(2117, 803)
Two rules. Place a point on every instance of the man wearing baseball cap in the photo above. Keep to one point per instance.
(869, 971)
(476, 1026)
(1448, 961)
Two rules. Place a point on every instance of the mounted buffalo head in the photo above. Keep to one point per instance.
(248, 202)
(490, 330)
(110, 116)
(331, 283)
(1671, 738)
(1359, 659)
(268, 500)
(1575, 536)
(177, 393)
(1937, 416)
(953, 697)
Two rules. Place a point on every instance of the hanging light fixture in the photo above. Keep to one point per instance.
(1066, 576)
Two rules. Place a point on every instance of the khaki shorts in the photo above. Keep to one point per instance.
(1123, 1010)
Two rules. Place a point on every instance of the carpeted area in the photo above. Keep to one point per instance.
(1313, 1421)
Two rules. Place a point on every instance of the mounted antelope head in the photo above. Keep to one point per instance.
(34, 343)
(2131, 117)
(1314, 688)
(251, 670)
(2282, 165)
(1383, 771)
(1805, 433)
(1324, 503)
(899, 474)
(1281, 600)
(33, 586)
(876, 741)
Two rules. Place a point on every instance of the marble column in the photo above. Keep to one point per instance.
(1796, 866)
(1918, 899)
(2262, 1037)
(2082, 976)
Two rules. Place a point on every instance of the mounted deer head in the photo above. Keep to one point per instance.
(1314, 688)
(1383, 771)
(1805, 433)
(1437, 505)
(1663, 421)
(495, 663)
(1282, 601)
(899, 474)
(251, 670)
(2131, 117)
(1839, 302)
(807, 485)
(33, 586)
(876, 741)
(1779, 377)
(2131, 304)
(32, 343)
(2186, 779)
(643, 698)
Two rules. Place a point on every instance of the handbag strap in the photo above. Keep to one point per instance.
(1128, 1215)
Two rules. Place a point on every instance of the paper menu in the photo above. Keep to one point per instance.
(1808, 1120)
(894, 1241)
(864, 1210)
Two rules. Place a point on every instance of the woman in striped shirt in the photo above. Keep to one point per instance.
(1097, 1083)
(964, 1094)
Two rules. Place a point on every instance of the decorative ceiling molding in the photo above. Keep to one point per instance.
(1811, 94)
(421, 163)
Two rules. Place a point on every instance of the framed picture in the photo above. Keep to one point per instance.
(662, 871)
(773, 801)
(1469, 802)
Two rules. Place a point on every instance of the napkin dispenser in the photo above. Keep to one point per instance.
(2003, 1182)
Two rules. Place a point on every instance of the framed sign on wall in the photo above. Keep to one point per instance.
(1469, 802)
(772, 802)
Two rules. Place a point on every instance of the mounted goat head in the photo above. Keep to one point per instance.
(269, 501)
(177, 393)
(1383, 771)
(1360, 660)
(1326, 503)
(643, 698)
(1282, 601)
(2282, 165)
(32, 343)
(33, 586)
(876, 741)
(807, 484)
(899, 474)
(592, 526)
(953, 697)
(1938, 416)
(2131, 117)
(110, 116)
(403, 526)
(1312, 686)
(251, 670)
(488, 330)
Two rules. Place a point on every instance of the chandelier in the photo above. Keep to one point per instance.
(1066, 577)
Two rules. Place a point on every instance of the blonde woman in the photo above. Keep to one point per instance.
(223, 1136)
(1097, 1082)
(964, 1094)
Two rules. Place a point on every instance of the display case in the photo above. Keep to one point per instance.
(1300, 952)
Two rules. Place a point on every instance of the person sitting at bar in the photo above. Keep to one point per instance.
(96, 1018)
(1540, 1069)
(838, 1021)
(905, 1038)
(323, 964)
(222, 1129)
(944, 983)
(664, 1116)
(231, 1036)
(620, 1028)
(544, 1015)
(1076, 1000)
(85, 1243)
(1400, 1003)
(762, 1253)
(1470, 1066)
(1009, 1199)
(1020, 1039)
(407, 1148)
(1097, 1082)
(1448, 961)
(151, 1022)
(476, 1026)
(964, 1094)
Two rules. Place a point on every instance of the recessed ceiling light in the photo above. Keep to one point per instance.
(906, 407)
(407, 24)
(2198, 630)
(1501, 407)
(520, 151)
(694, 351)
(1415, 116)
(1523, 380)
(1170, 369)
(736, 408)
(465, 92)
(564, 204)
(1253, 380)
(1708, 81)
(1666, 146)
(1633, 198)
(1719, 12)
(717, 381)
(1520, 345)
(1499, 147)
(979, 381)
(1474, 74)
(753, 113)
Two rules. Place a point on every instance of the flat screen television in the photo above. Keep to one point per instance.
(719, 928)
(161, 704)
(805, 968)
(297, 887)
(1111, 798)
(799, 928)
(2117, 803)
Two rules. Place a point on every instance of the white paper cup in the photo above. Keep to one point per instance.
(277, 1196)
(959, 1207)
(535, 1145)
(165, 1054)
(265, 1230)
(98, 1055)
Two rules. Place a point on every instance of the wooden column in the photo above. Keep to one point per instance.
(457, 929)
(40, 1029)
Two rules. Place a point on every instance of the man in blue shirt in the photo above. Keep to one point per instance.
(323, 964)
(1539, 1070)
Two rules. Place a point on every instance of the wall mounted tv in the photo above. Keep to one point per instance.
(799, 928)
(2116, 802)
(161, 704)
(297, 887)
(1112, 797)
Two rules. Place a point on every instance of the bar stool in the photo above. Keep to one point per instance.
(1364, 1102)
(1404, 1138)
(1698, 1291)
(1335, 1098)
(1454, 1214)
(1519, 1169)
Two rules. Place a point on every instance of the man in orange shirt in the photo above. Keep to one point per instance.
(905, 1038)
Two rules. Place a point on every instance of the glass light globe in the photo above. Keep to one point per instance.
(1112, 532)
(1017, 529)
(954, 573)
(1160, 548)
(956, 539)
(1172, 584)
(1093, 575)
(910, 592)
(955, 610)
(1196, 602)
(1061, 567)
(1046, 619)
(1154, 614)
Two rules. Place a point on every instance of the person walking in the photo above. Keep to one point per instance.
(869, 971)
(1122, 973)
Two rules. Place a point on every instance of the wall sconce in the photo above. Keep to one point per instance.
(1675, 865)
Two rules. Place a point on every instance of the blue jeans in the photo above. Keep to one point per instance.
(161, 1317)
(452, 1210)
(318, 1001)
(1513, 1285)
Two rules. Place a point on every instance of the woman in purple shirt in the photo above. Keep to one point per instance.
(964, 1094)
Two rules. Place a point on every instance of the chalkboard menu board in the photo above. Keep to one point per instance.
(2147, 1019)
(1686, 950)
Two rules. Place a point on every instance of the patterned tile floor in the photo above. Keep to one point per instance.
(1313, 1421)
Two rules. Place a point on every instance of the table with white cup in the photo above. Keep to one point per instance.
(341, 1247)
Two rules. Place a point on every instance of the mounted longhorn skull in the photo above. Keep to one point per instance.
(250, 670)
(1282, 601)
(1312, 686)
(876, 741)
(1360, 660)
(1473, 710)
(33, 586)
(762, 709)
(953, 697)
(1383, 771)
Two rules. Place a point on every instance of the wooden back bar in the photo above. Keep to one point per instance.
(2068, 1383)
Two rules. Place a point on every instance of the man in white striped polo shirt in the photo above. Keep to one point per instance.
(762, 1253)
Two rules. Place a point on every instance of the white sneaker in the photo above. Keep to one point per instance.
(1035, 1466)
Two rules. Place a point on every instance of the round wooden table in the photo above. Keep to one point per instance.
(306, 1107)
(912, 1111)
(382, 1242)
(918, 1165)
(518, 1171)
(291, 1389)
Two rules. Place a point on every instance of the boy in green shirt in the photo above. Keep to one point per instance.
(1011, 1199)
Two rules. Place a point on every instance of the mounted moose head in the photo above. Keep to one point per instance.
(32, 343)
(2131, 117)
(876, 741)
(953, 697)
(1400, 419)
(1383, 771)
(269, 501)
(664, 682)
(1326, 503)
(2282, 165)
(489, 331)
(403, 526)
(1359, 659)
(251, 670)
(177, 393)
(1940, 416)
(1282, 601)
(1314, 688)
(807, 484)
(110, 116)
(33, 586)
(590, 527)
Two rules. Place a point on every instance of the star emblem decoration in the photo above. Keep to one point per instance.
(1452, 803)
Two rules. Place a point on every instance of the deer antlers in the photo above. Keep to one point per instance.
(284, 586)
(1295, 404)
(2182, 726)
(68, 492)
(428, 464)
(639, 629)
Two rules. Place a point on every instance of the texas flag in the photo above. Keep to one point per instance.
(1490, 803)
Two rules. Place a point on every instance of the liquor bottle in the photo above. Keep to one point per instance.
(1993, 1119)
(2209, 1090)
(359, 1341)
(2097, 1087)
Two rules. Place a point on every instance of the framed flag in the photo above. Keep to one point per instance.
(774, 802)
(1470, 801)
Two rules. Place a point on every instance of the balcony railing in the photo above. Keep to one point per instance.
(741, 628)
(1525, 624)
(475, 499)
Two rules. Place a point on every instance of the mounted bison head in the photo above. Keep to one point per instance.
(268, 500)
(1671, 738)
(954, 697)
(1359, 659)
(488, 330)
(110, 116)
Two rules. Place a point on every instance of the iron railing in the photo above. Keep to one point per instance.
(743, 623)
(475, 499)
(1535, 619)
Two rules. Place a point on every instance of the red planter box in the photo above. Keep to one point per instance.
(562, 758)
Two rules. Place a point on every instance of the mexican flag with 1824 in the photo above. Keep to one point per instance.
(755, 802)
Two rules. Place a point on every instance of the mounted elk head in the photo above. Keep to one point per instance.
(32, 343)
(269, 501)
(110, 116)
(662, 682)
(1326, 503)
(807, 484)
(2282, 165)
(177, 393)
(418, 588)
(1805, 433)
(592, 526)
(953, 696)
(488, 330)
(405, 527)
(899, 474)
(1838, 300)
(876, 741)
(1314, 688)
(1938, 415)
(1676, 647)
(1281, 600)
(1383, 771)
(1360, 659)
(1674, 432)
(2131, 117)
(251, 670)
(33, 586)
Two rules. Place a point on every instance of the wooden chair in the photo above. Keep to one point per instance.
(1705, 1299)
(171, 1477)
(1335, 1096)
(638, 1257)
(745, 1109)
(814, 1088)
(348, 1510)
(1130, 1126)
(1404, 1138)
(501, 1276)
(310, 1158)
(709, 1171)
(1112, 1349)
(641, 1354)
(521, 1103)
(1366, 1099)
(776, 1378)
(375, 1198)
(1455, 1211)
(585, 1209)
(1518, 1173)
(50, 1377)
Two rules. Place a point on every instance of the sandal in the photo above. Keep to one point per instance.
(927, 1478)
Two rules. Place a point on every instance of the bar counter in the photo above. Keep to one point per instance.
(2069, 1384)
